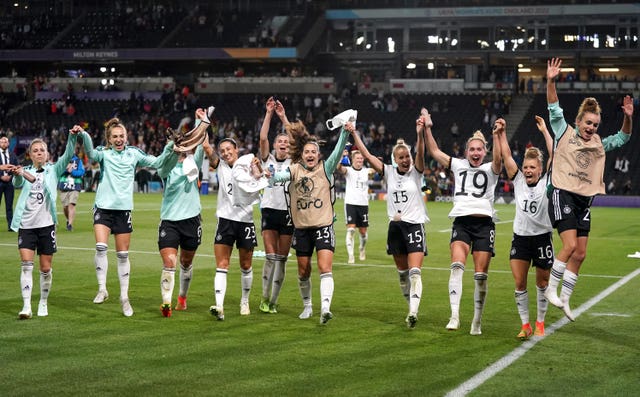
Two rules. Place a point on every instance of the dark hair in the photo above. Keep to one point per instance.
(230, 140)
(298, 138)
(109, 126)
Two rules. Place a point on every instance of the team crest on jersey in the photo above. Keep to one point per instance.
(304, 186)
(583, 160)
(566, 209)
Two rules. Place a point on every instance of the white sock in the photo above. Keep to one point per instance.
(26, 283)
(102, 265)
(568, 284)
(557, 272)
(186, 274)
(522, 303)
(46, 279)
(543, 304)
(326, 291)
(167, 282)
(246, 280)
(220, 286)
(479, 295)
(349, 241)
(267, 275)
(279, 270)
(124, 268)
(415, 292)
(304, 284)
(404, 283)
(455, 288)
(363, 240)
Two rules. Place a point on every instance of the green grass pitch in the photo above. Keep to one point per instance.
(366, 350)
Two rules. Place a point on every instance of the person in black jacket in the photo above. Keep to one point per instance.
(6, 179)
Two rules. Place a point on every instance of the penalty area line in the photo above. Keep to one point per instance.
(486, 374)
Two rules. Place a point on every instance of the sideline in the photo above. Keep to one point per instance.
(486, 374)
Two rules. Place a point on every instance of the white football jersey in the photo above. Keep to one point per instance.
(274, 196)
(404, 195)
(532, 216)
(357, 186)
(474, 189)
(225, 208)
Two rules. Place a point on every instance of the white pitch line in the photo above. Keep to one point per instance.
(486, 374)
(609, 315)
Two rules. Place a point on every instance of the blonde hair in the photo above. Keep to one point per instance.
(588, 105)
(477, 136)
(44, 144)
(108, 128)
(398, 146)
(534, 153)
(38, 140)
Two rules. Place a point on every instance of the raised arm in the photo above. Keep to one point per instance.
(264, 130)
(87, 142)
(627, 109)
(548, 139)
(375, 162)
(210, 151)
(553, 70)
(61, 165)
(496, 162)
(282, 114)
(422, 122)
(434, 151)
(332, 162)
(505, 150)
(624, 135)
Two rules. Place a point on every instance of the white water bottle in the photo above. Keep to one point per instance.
(342, 118)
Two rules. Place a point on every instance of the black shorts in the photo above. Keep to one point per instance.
(185, 233)
(320, 238)
(405, 238)
(42, 239)
(537, 249)
(569, 211)
(478, 232)
(278, 220)
(356, 215)
(241, 233)
(119, 221)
